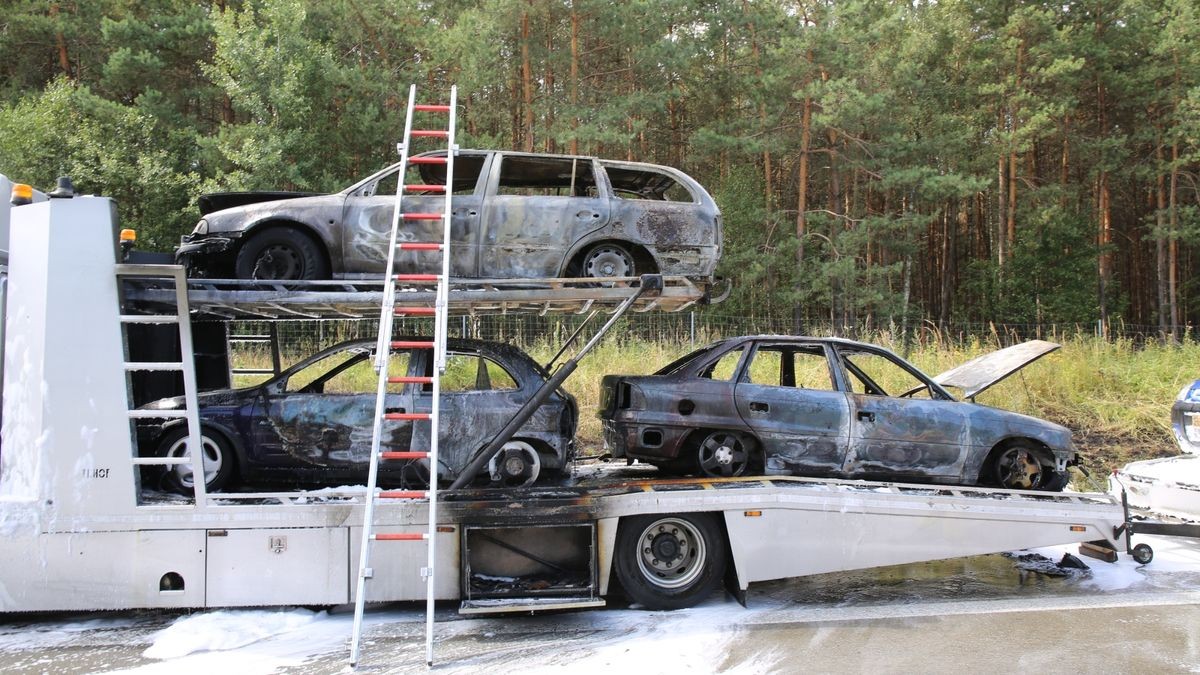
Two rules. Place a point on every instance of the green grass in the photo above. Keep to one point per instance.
(1115, 396)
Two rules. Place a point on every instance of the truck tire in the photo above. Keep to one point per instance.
(670, 561)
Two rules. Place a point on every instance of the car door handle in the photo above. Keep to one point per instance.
(393, 410)
(759, 407)
(866, 416)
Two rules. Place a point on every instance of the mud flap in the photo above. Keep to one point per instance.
(731, 584)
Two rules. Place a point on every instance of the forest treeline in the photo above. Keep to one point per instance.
(877, 163)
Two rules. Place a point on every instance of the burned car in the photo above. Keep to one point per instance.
(514, 215)
(312, 423)
(781, 405)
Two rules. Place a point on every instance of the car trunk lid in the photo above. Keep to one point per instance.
(980, 373)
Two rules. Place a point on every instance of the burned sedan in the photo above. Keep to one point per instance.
(780, 405)
(312, 422)
(514, 215)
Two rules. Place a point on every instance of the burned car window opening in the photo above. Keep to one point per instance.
(471, 372)
(725, 367)
(631, 183)
(546, 177)
(795, 367)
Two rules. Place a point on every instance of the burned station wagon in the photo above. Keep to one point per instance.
(312, 423)
(514, 215)
(830, 407)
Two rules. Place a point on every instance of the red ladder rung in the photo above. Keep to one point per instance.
(418, 277)
(419, 246)
(426, 188)
(430, 133)
(421, 216)
(407, 417)
(399, 536)
(404, 494)
(416, 311)
(426, 160)
(408, 454)
(409, 379)
(431, 107)
(412, 344)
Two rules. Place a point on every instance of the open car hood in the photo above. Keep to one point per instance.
(981, 372)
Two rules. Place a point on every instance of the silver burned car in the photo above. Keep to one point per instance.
(515, 215)
(784, 405)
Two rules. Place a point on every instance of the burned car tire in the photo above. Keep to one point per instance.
(723, 454)
(670, 561)
(281, 253)
(1017, 467)
(608, 260)
(218, 466)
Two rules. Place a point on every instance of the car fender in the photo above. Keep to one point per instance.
(332, 245)
(603, 234)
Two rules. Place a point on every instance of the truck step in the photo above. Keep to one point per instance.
(508, 605)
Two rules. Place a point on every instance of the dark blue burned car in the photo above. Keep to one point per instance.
(312, 423)
(804, 406)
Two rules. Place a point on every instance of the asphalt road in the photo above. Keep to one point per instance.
(973, 614)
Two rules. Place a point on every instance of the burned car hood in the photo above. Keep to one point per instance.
(208, 398)
(217, 201)
(981, 372)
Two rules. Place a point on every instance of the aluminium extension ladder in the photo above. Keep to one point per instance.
(383, 349)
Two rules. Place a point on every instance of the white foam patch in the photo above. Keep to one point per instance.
(225, 630)
(1172, 556)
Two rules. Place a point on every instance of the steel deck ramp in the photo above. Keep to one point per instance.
(352, 299)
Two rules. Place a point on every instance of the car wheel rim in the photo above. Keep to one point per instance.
(1019, 469)
(607, 261)
(212, 460)
(723, 455)
(671, 553)
(278, 262)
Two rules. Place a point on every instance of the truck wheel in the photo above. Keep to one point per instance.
(670, 561)
(218, 460)
(281, 253)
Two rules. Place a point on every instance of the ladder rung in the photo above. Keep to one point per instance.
(408, 454)
(425, 188)
(416, 311)
(407, 417)
(426, 160)
(421, 216)
(149, 318)
(155, 414)
(161, 461)
(430, 133)
(400, 536)
(431, 107)
(418, 277)
(153, 365)
(418, 246)
(409, 379)
(412, 344)
(404, 494)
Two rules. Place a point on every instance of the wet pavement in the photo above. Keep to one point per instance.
(976, 613)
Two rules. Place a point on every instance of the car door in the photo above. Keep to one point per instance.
(322, 416)
(368, 212)
(479, 397)
(788, 396)
(902, 425)
(537, 208)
